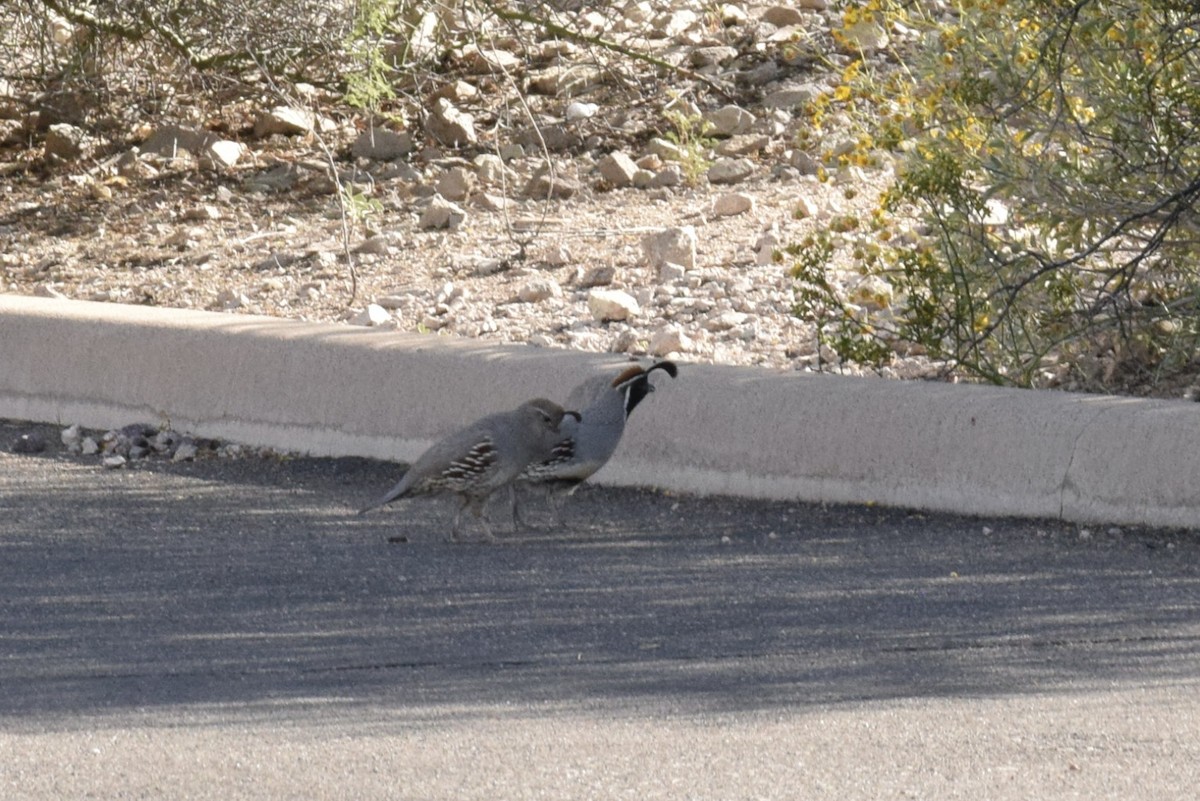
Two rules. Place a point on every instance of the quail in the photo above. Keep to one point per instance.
(483, 457)
(587, 444)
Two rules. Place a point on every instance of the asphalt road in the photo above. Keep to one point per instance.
(230, 629)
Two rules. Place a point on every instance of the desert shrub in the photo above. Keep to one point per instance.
(1041, 227)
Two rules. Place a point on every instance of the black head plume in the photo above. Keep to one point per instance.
(635, 382)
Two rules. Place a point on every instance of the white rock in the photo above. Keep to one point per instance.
(373, 315)
(556, 255)
(229, 299)
(670, 24)
(804, 162)
(381, 144)
(379, 245)
(441, 213)
(711, 56)
(113, 462)
(89, 446)
(48, 291)
(674, 245)
(612, 304)
(449, 293)
(730, 171)
(670, 175)
(581, 111)
(65, 141)
(186, 452)
(456, 183)
(804, 208)
(600, 275)
(568, 80)
(733, 15)
(459, 91)
(669, 273)
(449, 125)
(732, 203)
(669, 339)
(539, 289)
(639, 11)
(544, 184)
(789, 97)
(490, 169)
(730, 120)
(872, 292)
(284, 120)
(484, 61)
(203, 213)
(665, 149)
(486, 200)
(994, 212)
(617, 168)
(743, 145)
(764, 248)
(221, 154)
(643, 179)
(725, 321)
(864, 36)
(71, 435)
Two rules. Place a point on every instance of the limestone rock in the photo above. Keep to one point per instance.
(730, 171)
(792, 96)
(484, 61)
(669, 339)
(456, 183)
(382, 144)
(711, 56)
(725, 321)
(580, 111)
(373, 315)
(441, 213)
(729, 120)
(671, 24)
(544, 185)
(449, 125)
(732, 203)
(284, 120)
(566, 80)
(600, 275)
(221, 154)
(617, 168)
(539, 289)
(674, 245)
(607, 305)
(66, 142)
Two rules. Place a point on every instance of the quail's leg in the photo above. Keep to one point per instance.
(454, 527)
(514, 509)
(477, 509)
(553, 499)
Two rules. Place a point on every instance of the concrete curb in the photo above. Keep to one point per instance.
(338, 390)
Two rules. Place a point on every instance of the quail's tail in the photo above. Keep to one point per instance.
(666, 366)
(395, 492)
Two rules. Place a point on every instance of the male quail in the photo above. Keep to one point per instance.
(586, 445)
(483, 457)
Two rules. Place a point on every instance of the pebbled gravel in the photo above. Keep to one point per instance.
(480, 223)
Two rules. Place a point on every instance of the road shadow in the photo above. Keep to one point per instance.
(233, 585)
